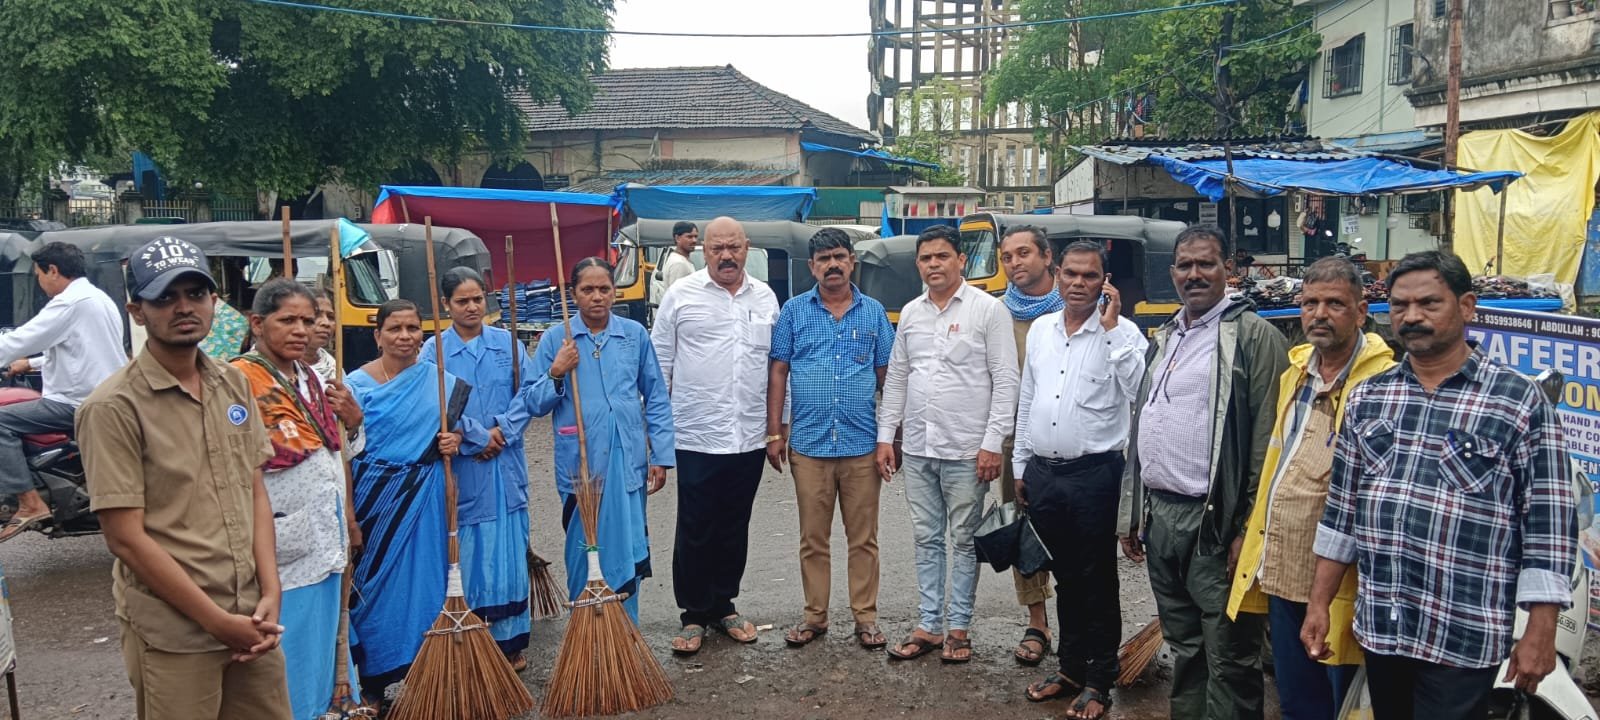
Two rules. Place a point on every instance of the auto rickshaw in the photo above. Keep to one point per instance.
(1139, 249)
(779, 249)
(886, 270)
(243, 253)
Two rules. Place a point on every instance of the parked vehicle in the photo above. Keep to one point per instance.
(779, 249)
(56, 468)
(886, 270)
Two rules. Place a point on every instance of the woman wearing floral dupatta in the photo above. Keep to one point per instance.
(305, 480)
(399, 498)
(616, 366)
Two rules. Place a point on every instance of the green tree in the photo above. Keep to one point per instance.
(928, 119)
(258, 98)
(1215, 70)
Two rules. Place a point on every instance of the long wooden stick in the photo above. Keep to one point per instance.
(288, 245)
(444, 412)
(341, 651)
(511, 293)
(566, 320)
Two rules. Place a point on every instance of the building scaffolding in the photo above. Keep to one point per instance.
(997, 150)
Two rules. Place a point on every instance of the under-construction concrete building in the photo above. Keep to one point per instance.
(954, 47)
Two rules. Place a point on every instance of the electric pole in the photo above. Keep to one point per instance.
(1452, 117)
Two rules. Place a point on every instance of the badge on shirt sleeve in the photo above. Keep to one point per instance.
(237, 414)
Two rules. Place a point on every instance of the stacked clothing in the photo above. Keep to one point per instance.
(536, 304)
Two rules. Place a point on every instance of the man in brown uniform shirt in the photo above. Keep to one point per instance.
(172, 447)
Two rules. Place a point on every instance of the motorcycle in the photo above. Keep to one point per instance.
(1559, 696)
(57, 471)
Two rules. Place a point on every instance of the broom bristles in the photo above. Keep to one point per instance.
(1136, 653)
(604, 666)
(460, 673)
(547, 599)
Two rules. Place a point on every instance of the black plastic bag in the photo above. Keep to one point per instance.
(1006, 539)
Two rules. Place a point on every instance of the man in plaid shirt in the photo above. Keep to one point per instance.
(1451, 492)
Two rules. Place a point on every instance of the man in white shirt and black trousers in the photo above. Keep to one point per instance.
(1079, 380)
(712, 334)
(79, 333)
(952, 385)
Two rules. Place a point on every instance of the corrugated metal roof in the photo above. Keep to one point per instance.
(685, 97)
(604, 184)
(1308, 149)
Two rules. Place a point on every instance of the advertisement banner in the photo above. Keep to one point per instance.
(1532, 342)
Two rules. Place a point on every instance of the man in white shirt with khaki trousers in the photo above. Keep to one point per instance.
(952, 385)
(79, 333)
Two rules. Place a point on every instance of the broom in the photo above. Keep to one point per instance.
(1136, 653)
(604, 666)
(343, 705)
(546, 599)
(459, 673)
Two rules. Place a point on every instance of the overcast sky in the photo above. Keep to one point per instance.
(829, 74)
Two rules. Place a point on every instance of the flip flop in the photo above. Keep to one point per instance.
(1053, 680)
(727, 625)
(870, 637)
(1035, 636)
(923, 647)
(687, 634)
(954, 643)
(19, 525)
(811, 632)
(1081, 704)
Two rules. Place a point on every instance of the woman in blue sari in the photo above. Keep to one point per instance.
(492, 486)
(399, 498)
(630, 443)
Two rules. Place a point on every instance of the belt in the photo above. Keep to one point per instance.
(1080, 463)
(1170, 496)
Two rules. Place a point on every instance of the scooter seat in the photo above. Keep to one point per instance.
(45, 441)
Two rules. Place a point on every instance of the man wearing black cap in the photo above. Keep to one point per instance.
(172, 447)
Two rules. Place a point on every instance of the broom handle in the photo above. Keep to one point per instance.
(288, 251)
(444, 412)
(511, 292)
(341, 649)
(566, 321)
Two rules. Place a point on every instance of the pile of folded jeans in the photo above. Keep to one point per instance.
(536, 303)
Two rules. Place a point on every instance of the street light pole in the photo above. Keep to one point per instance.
(1452, 117)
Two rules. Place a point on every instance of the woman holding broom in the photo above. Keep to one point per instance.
(630, 443)
(399, 498)
(492, 486)
(306, 483)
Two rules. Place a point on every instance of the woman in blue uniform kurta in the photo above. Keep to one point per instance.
(399, 498)
(492, 486)
(630, 443)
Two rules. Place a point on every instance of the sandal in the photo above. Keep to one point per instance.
(519, 662)
(922, 647)
(690, 633)
(727, 625)
(803, 634)
(1051, 687)
(1080, 706)
(955, 644)
(19, 525)
(870, 637)
(1037, 637)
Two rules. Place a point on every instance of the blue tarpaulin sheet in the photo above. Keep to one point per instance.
(740, 202)
(1360, 176)
(467, 193)
(870, 155)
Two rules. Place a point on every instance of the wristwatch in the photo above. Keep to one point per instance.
(772, 439)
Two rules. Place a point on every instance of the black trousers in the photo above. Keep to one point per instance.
(1073, 507)
(1402, 688)
(715, 496)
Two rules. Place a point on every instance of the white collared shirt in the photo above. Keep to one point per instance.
(1078, 391)
(952, 378)
(80, 333)
(713, 347)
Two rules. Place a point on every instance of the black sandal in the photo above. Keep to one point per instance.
(1054, 680)
(1081, 704)
(1038, 637)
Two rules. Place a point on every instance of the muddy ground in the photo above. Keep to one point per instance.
(70, 667)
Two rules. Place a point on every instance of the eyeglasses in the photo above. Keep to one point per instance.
(194, 294)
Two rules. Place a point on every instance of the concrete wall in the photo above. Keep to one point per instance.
(1380, 107)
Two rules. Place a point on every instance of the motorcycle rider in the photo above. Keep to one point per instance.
(79, 333)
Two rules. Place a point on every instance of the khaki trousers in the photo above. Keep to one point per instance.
(204, 686)
(854, 484)
(1031, 589)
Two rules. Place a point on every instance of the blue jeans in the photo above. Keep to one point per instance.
(1307, 689)
(945, 496)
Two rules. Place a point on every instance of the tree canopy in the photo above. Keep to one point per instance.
(252, 97)
(1220, 70)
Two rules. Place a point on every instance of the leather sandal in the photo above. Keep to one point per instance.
(1032, 636)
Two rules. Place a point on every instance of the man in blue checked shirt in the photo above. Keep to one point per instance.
(830, 348)
(1450, 491)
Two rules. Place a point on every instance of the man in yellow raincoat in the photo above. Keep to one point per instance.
(1276, 564)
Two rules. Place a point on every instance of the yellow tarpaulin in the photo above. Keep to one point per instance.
(1547, 211)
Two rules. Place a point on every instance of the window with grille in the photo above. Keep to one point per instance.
(1441, 9)
(1341, 71)
(1402, 49)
